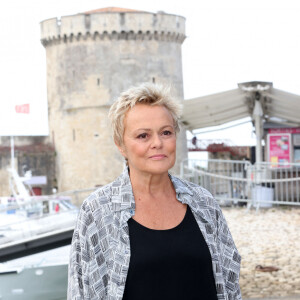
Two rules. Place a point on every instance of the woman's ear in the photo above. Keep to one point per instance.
(121, 149)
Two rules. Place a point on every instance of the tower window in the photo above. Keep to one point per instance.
(74, 135)
(122, 18)
(98, 81)
(153, 79)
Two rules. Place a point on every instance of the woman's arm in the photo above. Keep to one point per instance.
(230, 258)
(78, 281)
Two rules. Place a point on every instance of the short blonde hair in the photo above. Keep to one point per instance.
(147, 93)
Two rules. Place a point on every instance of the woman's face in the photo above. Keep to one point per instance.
(149, 139)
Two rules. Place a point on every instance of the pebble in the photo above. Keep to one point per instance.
(269, 237)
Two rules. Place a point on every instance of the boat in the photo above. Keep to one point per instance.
(39, 276)
(25, 217)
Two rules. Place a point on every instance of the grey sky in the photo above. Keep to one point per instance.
(227, 42)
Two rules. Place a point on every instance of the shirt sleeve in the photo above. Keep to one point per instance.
(230, 258)
(78, 278)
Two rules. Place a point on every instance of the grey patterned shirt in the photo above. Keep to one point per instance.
(100, 251)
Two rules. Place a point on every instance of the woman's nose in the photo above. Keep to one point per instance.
(157, 141)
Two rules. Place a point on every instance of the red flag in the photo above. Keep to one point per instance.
(22, 109)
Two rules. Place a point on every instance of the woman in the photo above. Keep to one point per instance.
(148, 234)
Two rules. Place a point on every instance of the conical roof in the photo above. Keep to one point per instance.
(112, 9)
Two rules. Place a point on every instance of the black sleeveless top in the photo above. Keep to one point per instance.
(172, 264)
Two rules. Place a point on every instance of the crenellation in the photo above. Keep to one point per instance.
(87, 36)
(114, 35)
(79, 36)
(112, 23)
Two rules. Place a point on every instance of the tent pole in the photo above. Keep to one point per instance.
(257, 115)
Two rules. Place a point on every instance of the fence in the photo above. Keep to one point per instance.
(233, 181)
(77, 196)
(260, 185)
(34, 218)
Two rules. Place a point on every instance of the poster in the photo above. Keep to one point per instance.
(279, 149)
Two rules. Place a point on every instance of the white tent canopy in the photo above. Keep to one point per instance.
(277, 106)
(258, 100)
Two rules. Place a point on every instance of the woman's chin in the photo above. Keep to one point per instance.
(153, 167)
(160, 168)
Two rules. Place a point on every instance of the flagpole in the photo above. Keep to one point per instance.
(12, 152)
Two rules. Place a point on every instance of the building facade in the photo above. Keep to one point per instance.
(33, 153)
(91, 58)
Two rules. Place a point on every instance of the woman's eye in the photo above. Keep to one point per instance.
(142, 136)
(167, 132)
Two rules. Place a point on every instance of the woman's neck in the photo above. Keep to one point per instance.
(150, 184)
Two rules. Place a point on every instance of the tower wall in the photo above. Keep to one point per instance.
(91, 58)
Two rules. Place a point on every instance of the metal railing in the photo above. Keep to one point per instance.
(232, 182)
(26, 220)
(77, 196)
(38, 215)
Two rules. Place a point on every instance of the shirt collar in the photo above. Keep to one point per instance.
(123, 199)
(179, 186)
(122, 195)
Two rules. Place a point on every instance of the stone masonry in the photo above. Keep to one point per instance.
(91, 58)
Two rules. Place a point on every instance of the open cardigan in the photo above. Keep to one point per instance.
(100, 250)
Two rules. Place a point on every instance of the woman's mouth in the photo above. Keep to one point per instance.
(158, 156)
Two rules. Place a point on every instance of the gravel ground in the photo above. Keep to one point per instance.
(295, 297)
(269, 237)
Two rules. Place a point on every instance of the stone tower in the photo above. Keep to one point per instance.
(91, 58)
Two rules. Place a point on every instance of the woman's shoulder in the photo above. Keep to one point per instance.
(201, 200)
(102, 195)
(198, 195)
(190, 187)
(111, 192)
